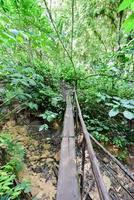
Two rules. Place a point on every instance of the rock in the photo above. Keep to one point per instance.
(107, 182)
(33, 158)
(46, 154)
(48, 139)
(130, 161)
(57, 156)
(94, 194)
(47, 146)
(11, 123)
(39, 195)
(55, 125)
(19, 138)
(105, 160)
(31, 148)
(80, 139)
(49, 160)
(34, 126)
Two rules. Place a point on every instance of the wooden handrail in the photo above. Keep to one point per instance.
(94, 163)
(111, 156)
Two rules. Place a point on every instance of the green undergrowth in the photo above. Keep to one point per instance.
(11, 162)
(31, 90)
(36, 65)
(109, 118)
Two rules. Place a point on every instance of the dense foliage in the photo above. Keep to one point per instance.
(11, 162)
(46, 45)
(37, 57)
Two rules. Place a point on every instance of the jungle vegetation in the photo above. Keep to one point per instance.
(89, 44)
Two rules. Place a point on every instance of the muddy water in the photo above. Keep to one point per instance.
(41, 158)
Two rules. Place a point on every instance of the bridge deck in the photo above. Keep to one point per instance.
(67, 181)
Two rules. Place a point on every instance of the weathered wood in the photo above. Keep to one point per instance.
(82, 167)
(68, 128)
(109, 170)
(94, 163)
(67, 180)
(114, 159)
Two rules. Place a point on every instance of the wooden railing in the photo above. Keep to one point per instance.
(94, 163)
(69, 186)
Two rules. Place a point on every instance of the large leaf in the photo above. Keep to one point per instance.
(113, 112)
(131, 102)
(129, 106)
(128, 25)
(128, 115)
(125, 4)
(132, 6)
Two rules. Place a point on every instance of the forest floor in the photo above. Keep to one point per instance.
(42, 156)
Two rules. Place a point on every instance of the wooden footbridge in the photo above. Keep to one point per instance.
(70, 185)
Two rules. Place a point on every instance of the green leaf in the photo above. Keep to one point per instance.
(9, 36)
(109, 104)
(127, 103)
(131, 102)
(128, 115)
(116, 102)
(113, 112)
(48, 115)
(32, 82)
(129, 106)
(43, 127)
(128, 25)
(117, 98)
(5, 198)
(20, 39)
(33, 106)
(26, 186)
(132, 6)
(125, 4)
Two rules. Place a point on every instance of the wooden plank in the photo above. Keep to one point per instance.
(68, 128)
(94, 163)
(67, 188)
(67, 182)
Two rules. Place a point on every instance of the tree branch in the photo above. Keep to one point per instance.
(55, 28)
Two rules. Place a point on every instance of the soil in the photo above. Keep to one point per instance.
(42, 161)
(41, 158)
